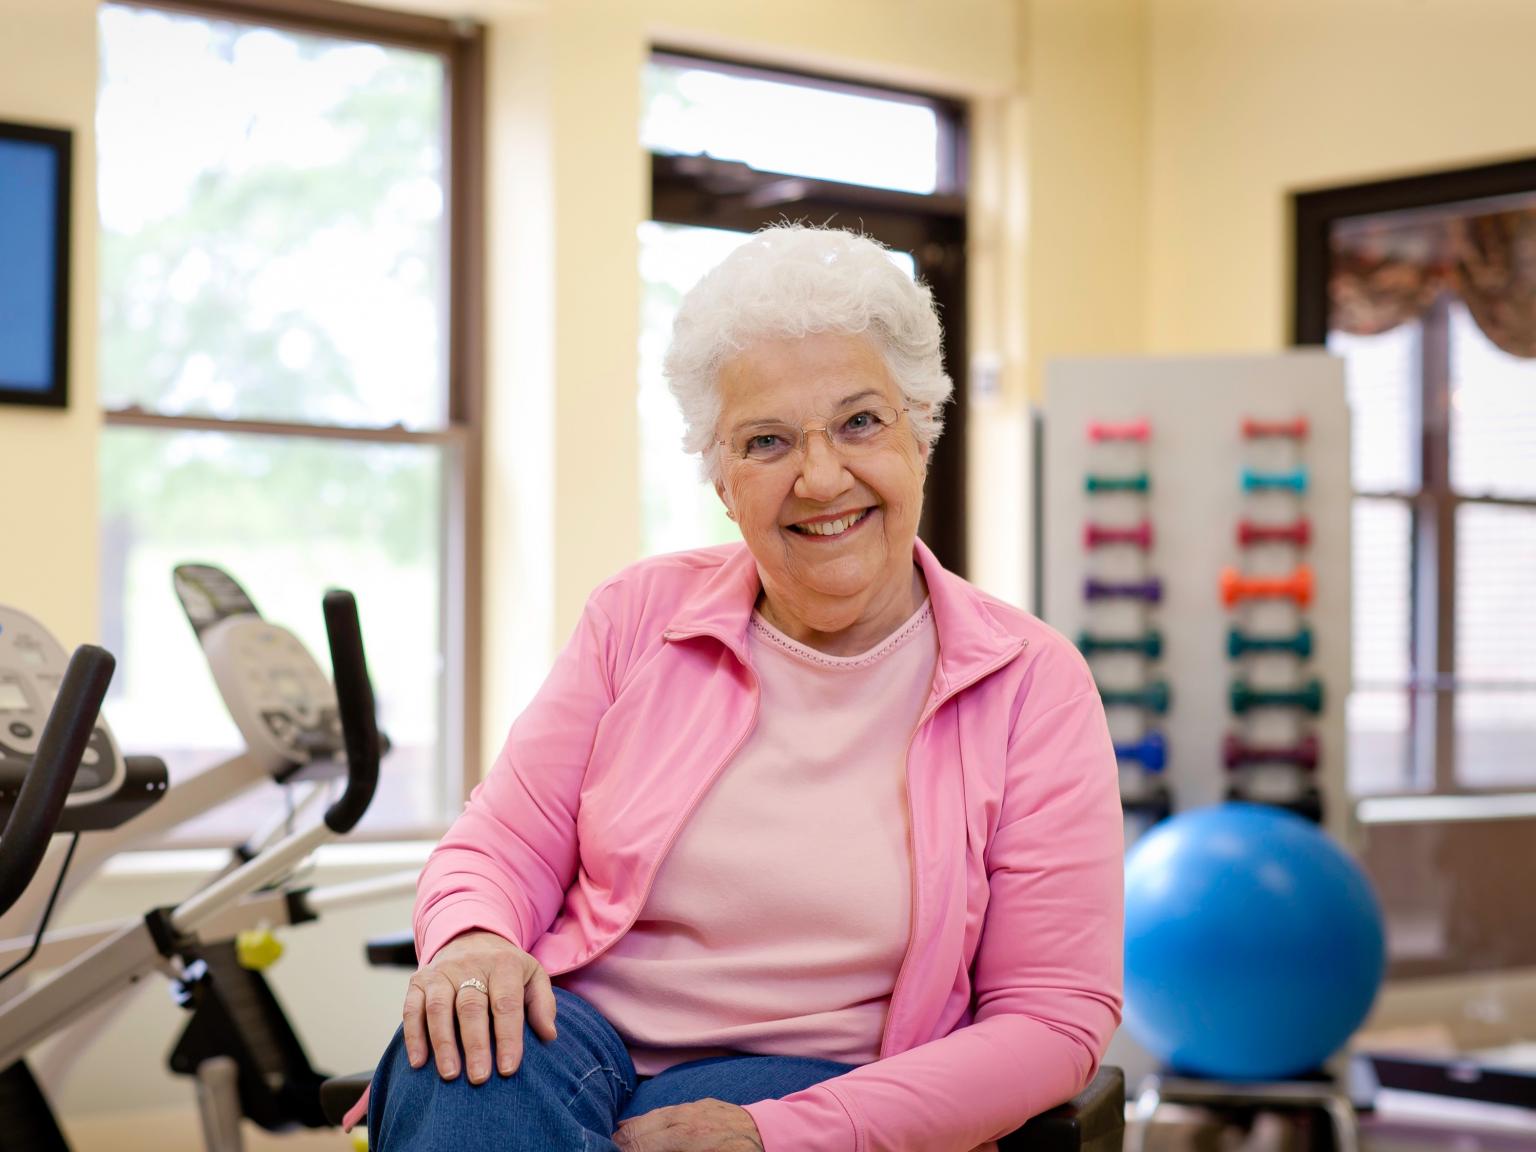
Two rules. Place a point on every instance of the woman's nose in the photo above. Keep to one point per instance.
(821, 468)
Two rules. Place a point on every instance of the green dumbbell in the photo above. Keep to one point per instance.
(1152, 696)
(1240, 643)
(1137, 482)
(1308, 696)
(1150, 644)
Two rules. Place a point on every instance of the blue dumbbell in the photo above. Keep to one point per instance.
(1151, 753)
(1295, 480)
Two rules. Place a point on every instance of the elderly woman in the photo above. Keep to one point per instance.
(805, 844)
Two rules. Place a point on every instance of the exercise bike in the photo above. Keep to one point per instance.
(238, 1043)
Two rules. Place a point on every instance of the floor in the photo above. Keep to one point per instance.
(1193, 1131)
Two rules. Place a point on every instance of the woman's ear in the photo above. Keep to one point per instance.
(720, 492)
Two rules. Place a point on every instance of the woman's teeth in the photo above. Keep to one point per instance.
(832, 527)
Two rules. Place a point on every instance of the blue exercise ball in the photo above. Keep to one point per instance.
(1254, 944)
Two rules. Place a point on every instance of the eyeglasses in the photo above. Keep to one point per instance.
(850, 433)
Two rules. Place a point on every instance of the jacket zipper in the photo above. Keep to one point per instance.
(915, 903)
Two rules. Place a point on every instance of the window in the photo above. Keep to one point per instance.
(1425, 286)
(288, 369)
(734, 148)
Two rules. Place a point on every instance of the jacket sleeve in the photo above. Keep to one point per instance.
(507, 860)
(1046, 979)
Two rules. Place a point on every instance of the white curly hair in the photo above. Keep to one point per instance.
(794, 280)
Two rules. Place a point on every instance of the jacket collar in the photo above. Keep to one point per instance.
(971, 642)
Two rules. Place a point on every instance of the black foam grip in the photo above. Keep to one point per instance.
(40, 802)
(354, 699)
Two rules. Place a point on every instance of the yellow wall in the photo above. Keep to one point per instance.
(48, 457)
(1250, 100)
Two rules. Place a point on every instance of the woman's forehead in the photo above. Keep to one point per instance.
(820, 372)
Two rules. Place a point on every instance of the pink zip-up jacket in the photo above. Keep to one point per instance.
(1011, 984)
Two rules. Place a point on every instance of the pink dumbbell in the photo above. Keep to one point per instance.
(1275, 429)
(1096, 535)
(1298, 533)
(1237, 754)
(1139, 430)
(1297, 586)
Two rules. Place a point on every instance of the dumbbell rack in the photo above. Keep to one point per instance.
(1195, 506)
(1272, 758)
(1121, 595)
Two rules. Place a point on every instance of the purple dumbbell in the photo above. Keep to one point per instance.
(1151, 753)
(1150, 589)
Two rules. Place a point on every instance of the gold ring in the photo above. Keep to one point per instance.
(476, 983)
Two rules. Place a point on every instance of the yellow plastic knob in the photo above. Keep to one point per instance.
(257, 949)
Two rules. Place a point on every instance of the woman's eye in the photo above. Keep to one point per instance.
(764, 445)
(861, 422)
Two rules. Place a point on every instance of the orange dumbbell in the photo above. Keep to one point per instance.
(1297, 586)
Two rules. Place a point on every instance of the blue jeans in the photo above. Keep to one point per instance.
(567, 1096)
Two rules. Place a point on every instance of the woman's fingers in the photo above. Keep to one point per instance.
(539, 997)
(473, 999)
(440, 1023)
(481, 990)
(415, 1020)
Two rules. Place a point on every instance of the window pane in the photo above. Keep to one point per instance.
(678, 509)
(288, 519)
(1377, 714)
(1495, 639)
(1496, 738)
(276, 249)
(1495, 605)
(1381, 381)
(1493, 414)
(1376, 724)
(787, 127)
(1382, 651)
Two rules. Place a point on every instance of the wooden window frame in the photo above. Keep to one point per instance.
(1434, 503)
(461, 46)
(704, 192)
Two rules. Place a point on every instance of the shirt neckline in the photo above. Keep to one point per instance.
(880, 651)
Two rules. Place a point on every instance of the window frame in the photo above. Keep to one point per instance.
(701, 191)
(461, 46)
(1433, 504)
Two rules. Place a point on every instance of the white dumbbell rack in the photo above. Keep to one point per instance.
(1195, 456)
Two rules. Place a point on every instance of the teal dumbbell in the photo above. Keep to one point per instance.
(1240, 643)
(1136, 482)
(1149, 644)
(1152, 696)
(1308, 696)
(1295, 480)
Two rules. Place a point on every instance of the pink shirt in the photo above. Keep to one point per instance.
(779, 920)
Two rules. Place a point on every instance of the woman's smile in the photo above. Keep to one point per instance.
(833, 526)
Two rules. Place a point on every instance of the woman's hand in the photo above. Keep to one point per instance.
(703, 1126)
(507, 979)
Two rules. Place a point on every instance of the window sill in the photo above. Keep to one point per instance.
(369, 857)
(1377, 810)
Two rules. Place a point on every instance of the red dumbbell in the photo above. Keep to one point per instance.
(1236, 754)
(1096, 535)
(1139, 430)
(1297, 586)
(1275, 429)
(1298, 533)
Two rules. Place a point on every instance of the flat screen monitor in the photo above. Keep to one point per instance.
(34, 264)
